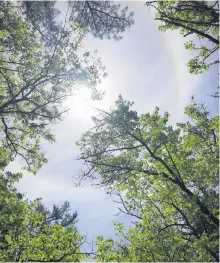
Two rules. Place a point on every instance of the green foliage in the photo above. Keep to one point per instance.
(30, 232)
(165, 177)
(35, 79)
(41, 65)
(101, 18)
(169, 177)
(196, 18)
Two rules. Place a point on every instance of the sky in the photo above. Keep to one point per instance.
(148, 67)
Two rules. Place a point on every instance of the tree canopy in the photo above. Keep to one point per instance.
(199, 19)
(102, 18)
(41, 63)
(168, 176)
(30, 232)
(40, 66)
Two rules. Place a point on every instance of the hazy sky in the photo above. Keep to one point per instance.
(147, 67)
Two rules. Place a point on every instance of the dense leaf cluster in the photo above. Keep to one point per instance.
(165, 177)
(199, 19)
(30, 232)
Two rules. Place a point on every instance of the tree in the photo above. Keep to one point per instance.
(35, 79)
(192, 18)
(30, 232)
(101, 18)
(40, 65)
(169, 177)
